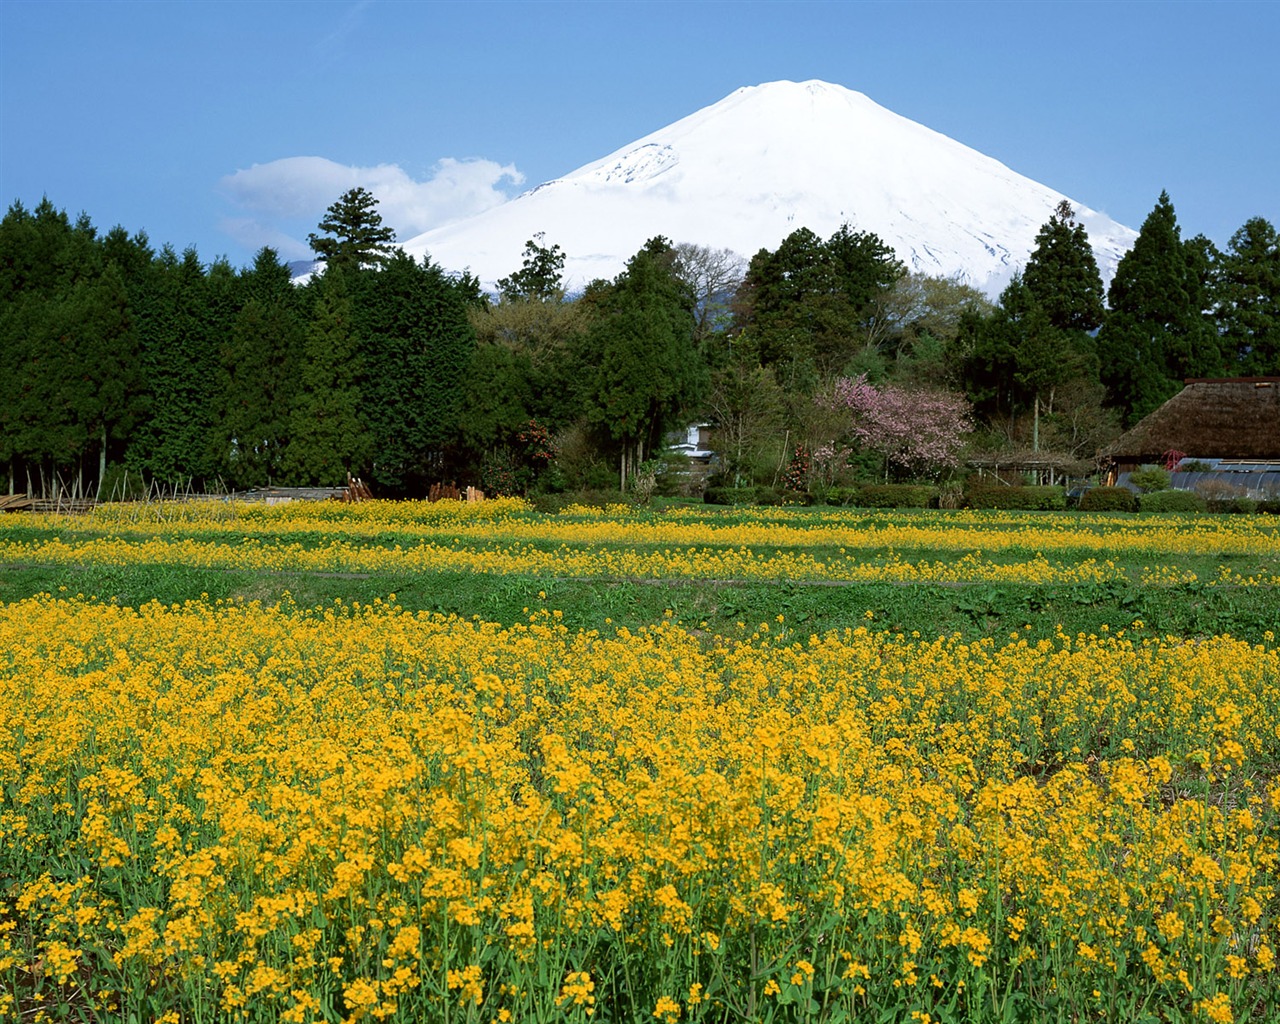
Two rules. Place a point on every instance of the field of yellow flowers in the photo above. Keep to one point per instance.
(259, 811)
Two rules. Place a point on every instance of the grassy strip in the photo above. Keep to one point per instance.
(973, 610)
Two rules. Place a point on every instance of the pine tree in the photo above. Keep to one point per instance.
(181, 313)
(106, 384)
(812, 304)
(353, 233)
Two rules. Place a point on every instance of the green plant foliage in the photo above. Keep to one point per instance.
(1025, 498)
(1108, 499)
(1171, 501)
(353, 235)
(1156, 334)
(1150, 478)
(897, 496)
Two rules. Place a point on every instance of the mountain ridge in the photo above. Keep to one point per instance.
(744, 172)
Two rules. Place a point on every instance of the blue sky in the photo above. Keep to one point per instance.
(231, 125)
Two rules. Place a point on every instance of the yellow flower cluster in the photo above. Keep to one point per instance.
(504, 537)
(244, 812)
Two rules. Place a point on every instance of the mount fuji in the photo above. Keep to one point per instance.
(744, 173)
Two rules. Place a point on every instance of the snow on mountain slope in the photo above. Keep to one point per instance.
(745, 172)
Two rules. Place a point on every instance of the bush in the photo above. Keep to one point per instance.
(1149, 479)
(1224, 497)
(1108, 499)
(1269, 507)
(729, 495)
(897, 495)
(1235, 507)
(1046, 499)
(840, 496)
(1171, 501)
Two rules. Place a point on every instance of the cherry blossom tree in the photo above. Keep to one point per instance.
(918, 430)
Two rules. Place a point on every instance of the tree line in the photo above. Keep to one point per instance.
(119, 358)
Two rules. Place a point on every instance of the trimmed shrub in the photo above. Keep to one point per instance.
(729, 496)
(1171, 501)
(1235, 506)
(1269, 507)
(840, 496)
(1042, 499)
(1108, 499)
(1150, 479)
(897, 495)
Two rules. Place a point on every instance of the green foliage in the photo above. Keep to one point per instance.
(1062, 274)
(1150, 478)
(1043, 498)
(1156, 334)
(259, 379)
(1247, 292)
(1108, 499)
(815, 302)
(183, 314)
(327, 436)
(897, 496)
(417, 346)
(840, 496)
(646, 369)
(730, 495)
(540, 276)
(1171, 501)
(353, 233)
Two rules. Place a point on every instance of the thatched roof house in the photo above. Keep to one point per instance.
(1224, 418)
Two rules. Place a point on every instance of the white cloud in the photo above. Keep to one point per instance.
(253, 235)
(301, 188)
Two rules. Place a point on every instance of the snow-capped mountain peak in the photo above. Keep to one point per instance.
(745, 172)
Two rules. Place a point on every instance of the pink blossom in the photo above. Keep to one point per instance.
(920, 430)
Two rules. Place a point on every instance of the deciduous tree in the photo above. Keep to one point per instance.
(918, 430)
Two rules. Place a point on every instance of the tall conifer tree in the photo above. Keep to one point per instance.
(353, 235)
(1156, 333)
(1248, 298)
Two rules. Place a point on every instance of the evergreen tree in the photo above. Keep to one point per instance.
(647, 370)
(327, 438)
(353, 233)
(177, 330)
(105, 387)
(812, 303)
(417, 346)
(1248, 298)
(1062, 274)
(61, 326)
(1156, 333)
(260, 360)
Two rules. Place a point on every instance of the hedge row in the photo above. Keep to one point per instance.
(1036, 499)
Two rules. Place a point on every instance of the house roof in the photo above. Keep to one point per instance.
(1225, 417)
(1230, 418)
